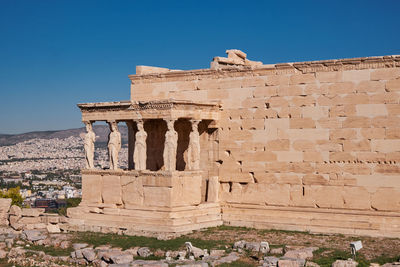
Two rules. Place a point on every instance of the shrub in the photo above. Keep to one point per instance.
(13, 193)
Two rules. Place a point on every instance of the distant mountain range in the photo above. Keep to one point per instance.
(101, 131)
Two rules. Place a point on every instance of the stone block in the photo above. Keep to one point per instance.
(312, 156)
(186, 191)
(265, 91)
(385, 146)
(329, 76)
(342, 110)
(356, 198)
(354, 99)
(32, 212)
(341, 156)
(356, 75)
(111, 190)
(5, 204)
(351, 145)
(29, 220)
(329, 145)
(328, 100)
(315, 112)
(370, 87)
(265, 177)
(288, 179)
(213, 189)
(386, 122)
(303, 101)
(392, 133)
(387, 169)
(326, 196)
(302, 78)
(318, 89)
(277, 80)
(341, 88)
(217, 94)
(292, 90)
(393, 109)
(53, 228)
(264, 156)
(289, 156)
(253, 81)
(315, 179)
(371, 110)
(132, 190)
(308, 134)
(157, 196)
(374, 181)
(386, 199)
(301, 123)
(278, 102)
(343, 134)
(329, 123)
(393, 85)
(345, 263)
(303, 145)
(373, 133)
(91, 188)
(276, 194)
(357, 122)
(356, 168)
(278, 145)
(385, 74)
(253, 124)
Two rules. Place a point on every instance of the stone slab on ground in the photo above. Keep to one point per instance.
(34, 235)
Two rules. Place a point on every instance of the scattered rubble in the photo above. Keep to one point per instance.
(16, 241)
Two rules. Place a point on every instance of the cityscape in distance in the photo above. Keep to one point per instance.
(46, 164)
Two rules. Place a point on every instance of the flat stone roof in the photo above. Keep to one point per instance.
(304, 67)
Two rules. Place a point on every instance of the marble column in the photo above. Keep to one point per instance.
(140, 154)
(90, 138)
(131, 144)
(193, 155)
(170, 147)
(114, 145)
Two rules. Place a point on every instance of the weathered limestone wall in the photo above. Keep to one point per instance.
(299, 142)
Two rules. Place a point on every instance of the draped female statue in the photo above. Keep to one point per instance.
(139, 155)
(171, 144)
(90, 138)
(114, 145)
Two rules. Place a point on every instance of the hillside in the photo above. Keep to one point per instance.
(101, 131)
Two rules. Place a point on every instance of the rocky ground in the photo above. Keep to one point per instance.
(221, 246)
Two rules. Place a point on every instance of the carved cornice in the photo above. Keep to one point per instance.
(296, 67)
(139, 106)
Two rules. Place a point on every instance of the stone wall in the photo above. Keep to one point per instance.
(5, 204)
(302, 141)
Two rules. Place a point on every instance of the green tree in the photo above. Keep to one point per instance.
(13, 193)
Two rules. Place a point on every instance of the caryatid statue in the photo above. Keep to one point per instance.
(90, 138)
(193, 155)
(139, 155)
(114, 145)
(171, 144)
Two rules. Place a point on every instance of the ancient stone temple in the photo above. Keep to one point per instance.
(311, 146)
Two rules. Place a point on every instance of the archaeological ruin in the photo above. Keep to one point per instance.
(309, 146)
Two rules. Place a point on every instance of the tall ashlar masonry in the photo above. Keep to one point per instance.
(309, 146)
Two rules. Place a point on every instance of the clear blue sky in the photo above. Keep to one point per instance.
(54, 54)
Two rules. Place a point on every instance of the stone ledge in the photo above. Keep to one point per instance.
(137, 173)
(299, 67)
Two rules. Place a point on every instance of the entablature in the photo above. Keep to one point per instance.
(138, 110)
